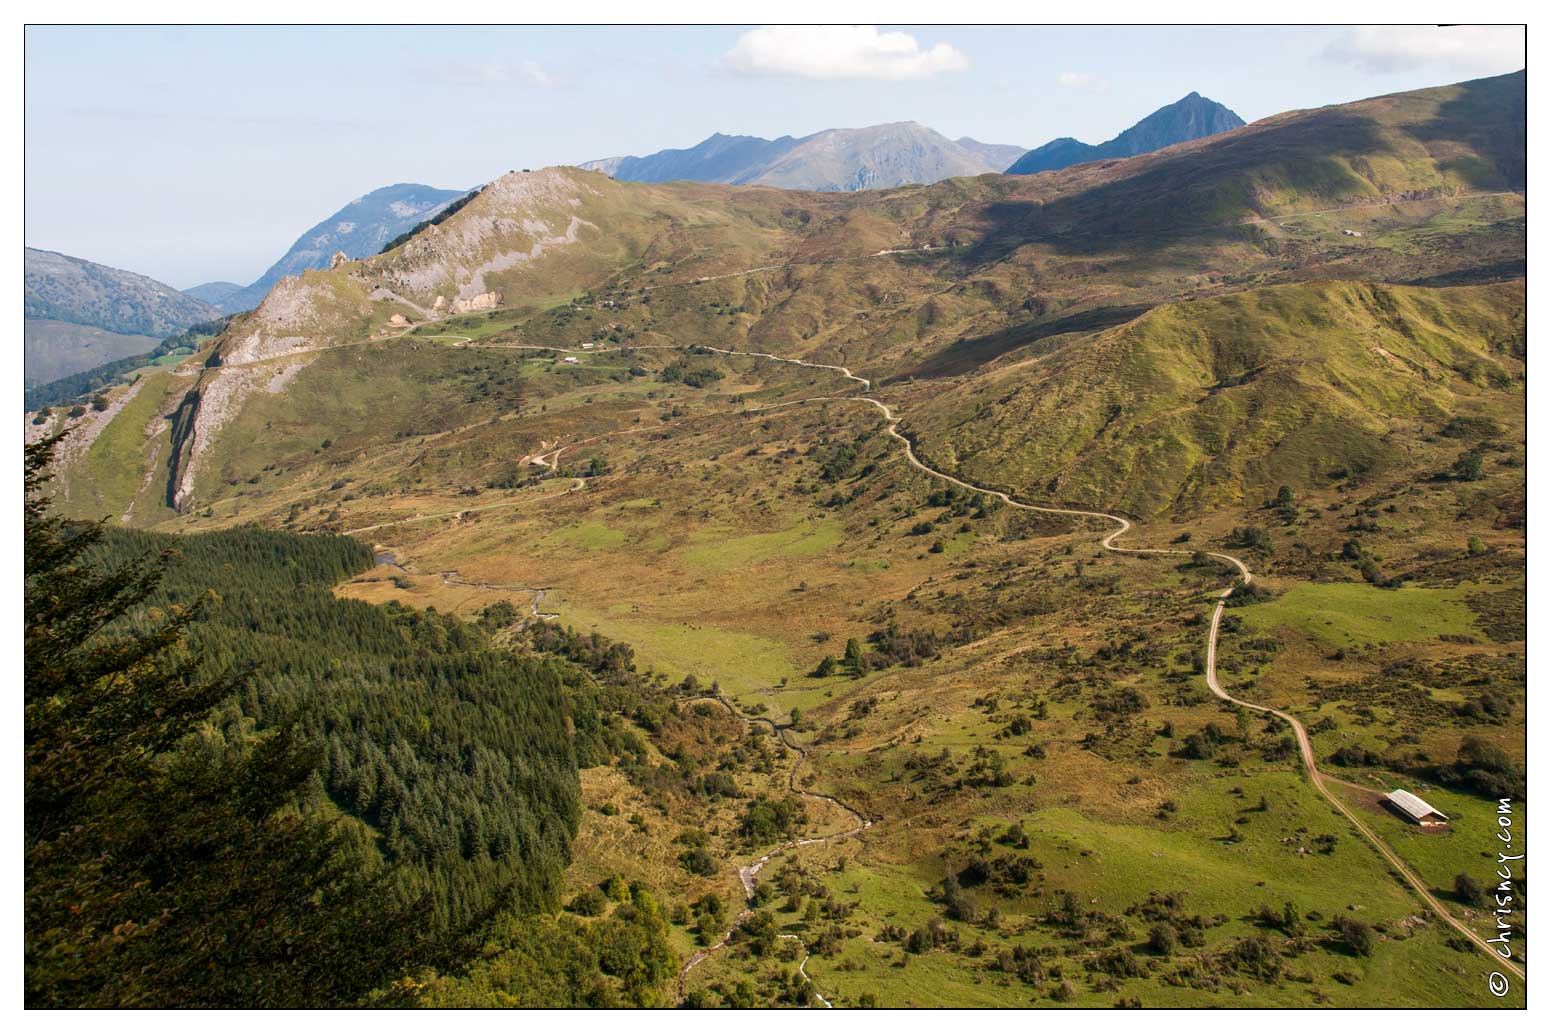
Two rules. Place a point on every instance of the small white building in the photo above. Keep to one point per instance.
(586, 344)
(1413, 809)
(571, 360)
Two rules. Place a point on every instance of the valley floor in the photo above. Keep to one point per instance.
(608, 523)
(966, 748)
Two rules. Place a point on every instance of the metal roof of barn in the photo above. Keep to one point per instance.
(1413, 805)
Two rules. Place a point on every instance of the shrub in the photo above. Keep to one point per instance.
(1254, 592)
(1357, 935)
(1252, 538)
(589, 902)
(1468, 467)
(1485, 768)
(698, 861)
(1163, 939)
(1469, 890)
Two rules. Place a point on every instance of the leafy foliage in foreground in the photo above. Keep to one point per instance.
(616, 961)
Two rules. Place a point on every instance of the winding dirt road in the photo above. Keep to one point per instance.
(1305, 746)
(1123, 526)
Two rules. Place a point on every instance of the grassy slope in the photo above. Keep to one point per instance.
(694, 549)
(1203, 403)
(715, 546)
(53, 349)
(1029, 256)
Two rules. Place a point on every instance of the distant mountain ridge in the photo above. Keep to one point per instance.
(78, 314)
(359, 229)
(998, 156)
(214, 292)
(833, 160)
(1189, 118)
(75, 290)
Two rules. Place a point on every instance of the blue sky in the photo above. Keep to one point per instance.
(195, 154)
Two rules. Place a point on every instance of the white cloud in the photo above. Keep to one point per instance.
(488, 73)
(839, 52)
(1079, 81)
(1380, 49)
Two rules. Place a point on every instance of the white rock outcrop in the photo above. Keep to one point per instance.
(478, 303)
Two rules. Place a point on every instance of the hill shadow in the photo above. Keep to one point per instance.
(1490, 117)
(969, 353)
(1199, 190)
(1496, 272)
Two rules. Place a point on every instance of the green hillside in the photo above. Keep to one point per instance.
(1469, 137)
(660, 596)
(1212, 402)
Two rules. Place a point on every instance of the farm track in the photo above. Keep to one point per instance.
(451, 578)
(1305, 746)
(748, 873)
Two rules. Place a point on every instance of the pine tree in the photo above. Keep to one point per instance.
(165, 865)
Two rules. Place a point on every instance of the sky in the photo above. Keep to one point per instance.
(195, 154)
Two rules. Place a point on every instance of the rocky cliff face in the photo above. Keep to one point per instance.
(452, 268)
(513, 222)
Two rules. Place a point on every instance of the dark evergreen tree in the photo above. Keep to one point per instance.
(164, 867)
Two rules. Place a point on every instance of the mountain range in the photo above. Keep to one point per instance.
(213, 292)
(553, 232)
(1189, 118)
(898, 153)
(74, 290)
(833, 160)
(874, 157)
